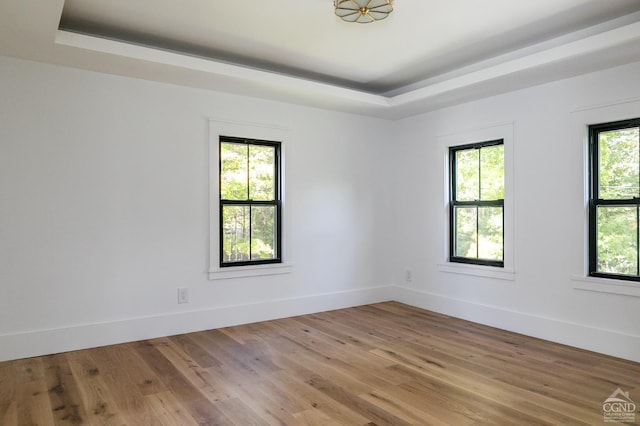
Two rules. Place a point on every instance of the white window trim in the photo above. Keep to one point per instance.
(258, 131)
(504, 131)
(581, 120)
(606, 285)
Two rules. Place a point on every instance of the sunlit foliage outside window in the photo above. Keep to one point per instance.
(477, 203)
(615, 199)
(249, 201)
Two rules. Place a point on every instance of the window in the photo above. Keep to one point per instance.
(476, 207)
(250, 202)
(614, 200)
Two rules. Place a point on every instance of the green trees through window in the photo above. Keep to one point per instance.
(477, 203)
(249, 201)
(615, 200)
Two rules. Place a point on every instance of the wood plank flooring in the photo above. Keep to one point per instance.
(382, 364)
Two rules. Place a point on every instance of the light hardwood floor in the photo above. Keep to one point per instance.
(382, 364)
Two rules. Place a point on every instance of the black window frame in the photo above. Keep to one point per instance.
(277, 202)
(453, 203)
(595, 200)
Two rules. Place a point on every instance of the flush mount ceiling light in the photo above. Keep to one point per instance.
(363, 11)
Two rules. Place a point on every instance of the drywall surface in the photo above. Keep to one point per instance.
(104, 210)
(544, 291)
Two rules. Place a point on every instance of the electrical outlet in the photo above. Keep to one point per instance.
(408, 275)
(183, 295)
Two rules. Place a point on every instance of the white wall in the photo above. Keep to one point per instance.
(104, 210)
(549, 126)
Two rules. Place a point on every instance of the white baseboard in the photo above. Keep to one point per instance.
(607, 342)
(43, 342)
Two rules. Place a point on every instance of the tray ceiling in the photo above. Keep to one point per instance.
(427, 54)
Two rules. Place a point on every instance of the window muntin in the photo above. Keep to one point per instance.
(477, 203)
(250, 202)
(614, 205)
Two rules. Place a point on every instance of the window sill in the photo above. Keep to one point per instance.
(606, 285)
(249, 271)
(477, 271)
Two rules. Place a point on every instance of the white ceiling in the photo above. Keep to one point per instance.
(427, 54)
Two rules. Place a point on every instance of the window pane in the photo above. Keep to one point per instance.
(467, 175)
(619, 164)
(617, 246)
(492, 173)
(490, 224)
(233, 171)
(466, 236)
(262, 183)
(263, 231)
(235, 233)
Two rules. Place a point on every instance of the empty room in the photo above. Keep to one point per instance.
(319, 212)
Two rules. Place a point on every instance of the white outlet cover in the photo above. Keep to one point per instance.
(183, 295)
